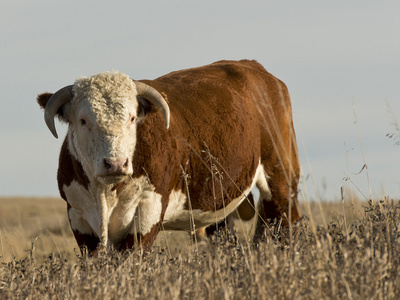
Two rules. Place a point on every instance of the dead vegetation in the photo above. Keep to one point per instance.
(345, 259)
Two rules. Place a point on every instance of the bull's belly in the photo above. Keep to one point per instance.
(178, 217)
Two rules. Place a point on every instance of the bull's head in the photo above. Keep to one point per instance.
(103, 111)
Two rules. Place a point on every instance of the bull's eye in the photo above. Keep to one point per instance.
(132, 119)
(83, 122)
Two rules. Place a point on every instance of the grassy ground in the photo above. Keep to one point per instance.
(41, 225)
(34, 222)
(345, 251)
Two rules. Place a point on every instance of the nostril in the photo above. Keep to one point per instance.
(107, 163)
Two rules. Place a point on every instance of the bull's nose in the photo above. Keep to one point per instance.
(115, 165)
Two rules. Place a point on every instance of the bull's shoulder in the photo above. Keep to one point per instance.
(244, 64)
(69, 169)
(243, 67)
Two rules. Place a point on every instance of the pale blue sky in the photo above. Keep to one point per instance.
(330, 54)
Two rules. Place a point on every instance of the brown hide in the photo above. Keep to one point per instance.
(236, 111)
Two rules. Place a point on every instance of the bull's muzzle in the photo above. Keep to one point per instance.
(113, 170)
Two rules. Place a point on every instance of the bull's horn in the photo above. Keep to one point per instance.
(61, 97)
(151, 94)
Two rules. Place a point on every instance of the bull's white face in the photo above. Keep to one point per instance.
(103, 118)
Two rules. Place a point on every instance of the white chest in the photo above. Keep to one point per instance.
(100, 211)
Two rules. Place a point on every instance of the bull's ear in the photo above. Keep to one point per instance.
(146, 107)
(42, 100)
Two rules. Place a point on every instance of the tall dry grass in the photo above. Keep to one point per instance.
(359, 260)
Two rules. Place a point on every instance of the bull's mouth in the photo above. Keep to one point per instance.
(111, 179)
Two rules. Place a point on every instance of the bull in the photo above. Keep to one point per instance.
(179, 152)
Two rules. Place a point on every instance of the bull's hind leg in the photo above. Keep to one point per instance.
(278, 200)
(264, 200)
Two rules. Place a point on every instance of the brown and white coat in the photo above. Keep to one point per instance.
(126, 170)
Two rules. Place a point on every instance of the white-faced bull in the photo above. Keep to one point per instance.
(181, 150)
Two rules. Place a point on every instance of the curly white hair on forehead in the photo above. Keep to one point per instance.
(106, 85)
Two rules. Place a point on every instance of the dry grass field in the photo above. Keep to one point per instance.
(347, 250)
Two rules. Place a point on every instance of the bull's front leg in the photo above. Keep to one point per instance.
(147, 223)
(143, 241)
(84, 236)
